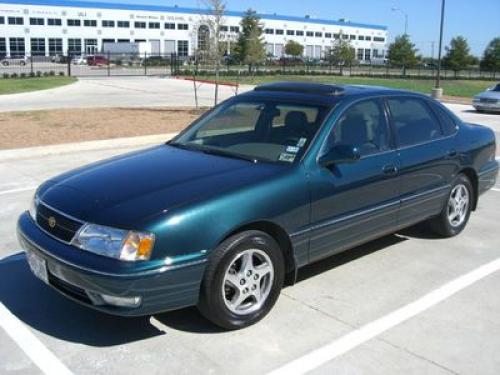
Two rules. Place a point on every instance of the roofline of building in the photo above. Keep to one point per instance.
(176, 9)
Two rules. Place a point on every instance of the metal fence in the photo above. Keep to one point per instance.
(121, 64)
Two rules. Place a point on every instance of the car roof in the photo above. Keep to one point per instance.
(320, 93)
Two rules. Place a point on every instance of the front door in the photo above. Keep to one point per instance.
(358, 201)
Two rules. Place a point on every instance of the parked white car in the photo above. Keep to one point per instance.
(18, 60)
(79, 60)
(488, 100)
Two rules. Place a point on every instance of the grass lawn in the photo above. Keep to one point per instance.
(17, 85)
(459, 88)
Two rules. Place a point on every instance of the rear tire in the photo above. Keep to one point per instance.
(242, 281)
(457, 209)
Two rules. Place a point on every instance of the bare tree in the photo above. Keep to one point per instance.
(215, 51)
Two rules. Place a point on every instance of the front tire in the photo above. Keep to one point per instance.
(457, 209)
(242, 281)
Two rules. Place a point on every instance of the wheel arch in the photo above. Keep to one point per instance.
(281, 236)
(471, 174)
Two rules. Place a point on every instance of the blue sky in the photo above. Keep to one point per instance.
(477, 20)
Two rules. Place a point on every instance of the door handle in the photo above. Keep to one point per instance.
(450, 154)
(390, 169)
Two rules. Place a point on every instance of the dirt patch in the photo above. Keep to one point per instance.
(37, 128)
(456, 100)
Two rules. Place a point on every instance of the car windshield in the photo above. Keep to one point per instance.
(270, 131)
(496, 88)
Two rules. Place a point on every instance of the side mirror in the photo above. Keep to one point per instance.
(340, 154)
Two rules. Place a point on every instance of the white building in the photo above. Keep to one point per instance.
(58, 27)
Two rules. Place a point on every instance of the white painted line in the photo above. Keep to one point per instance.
(495, 189)
(367, 332)
(33, 347)
(11, 191)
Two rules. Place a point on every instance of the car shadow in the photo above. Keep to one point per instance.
(45, 310)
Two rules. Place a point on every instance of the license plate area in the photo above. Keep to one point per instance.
(38, 266)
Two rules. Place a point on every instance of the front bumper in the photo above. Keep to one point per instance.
(487, 107)
(161, 289)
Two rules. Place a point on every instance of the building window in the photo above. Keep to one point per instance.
(290, 32)
(90, 23)
(54, 22)
(74, 46)
(37, 46)
(124, 24)
(182, 26)
(280, 32)
(123, 40)
(169, 26)
(16, 21)
(299, 33)
(182, 48)
(37, 21)
(104, 41)
(309, 34)
(269, 31)
(234, 29)
(72, 22)
(318, 35)
(55, 46)
(224, 29)
(107, 23)
(360, 54)
(17, 47)
(2, 21)
(361, 37)
(352, 37)
(154, 25)
(140, 25)
(328, 35)
(139, 40)
(368, 38)
(336, 36)
(345, 36)
(3, 47)
(378, 39)
(368, 54)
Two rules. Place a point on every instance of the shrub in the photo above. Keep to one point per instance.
(45, 74)
(22, 75)
(32, 74)
(5, 75)
(61, 74)
(38, 73)
(52, 73)
(13, 75)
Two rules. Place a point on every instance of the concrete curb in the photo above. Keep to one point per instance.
(30, 152)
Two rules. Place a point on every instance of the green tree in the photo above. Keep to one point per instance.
(402, 53)
(294, 49)
(250, 48)
(341, 53)
(491, 56)
(458, 55)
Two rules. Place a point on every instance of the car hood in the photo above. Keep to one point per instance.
(127, 189)
(489, 95)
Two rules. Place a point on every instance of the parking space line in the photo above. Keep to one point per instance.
(11, 191)
(369, 331)
(495, 189)
(42, 357)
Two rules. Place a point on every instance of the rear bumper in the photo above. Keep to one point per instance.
(487, 177)
(160, 290)
(486, 107)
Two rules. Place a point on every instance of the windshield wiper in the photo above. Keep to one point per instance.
(218, 151)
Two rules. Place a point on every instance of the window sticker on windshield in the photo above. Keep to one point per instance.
(285, 156)
(301, 142)
(292, 149)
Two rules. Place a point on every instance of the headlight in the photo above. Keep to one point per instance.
(33, 207)
(115, 243)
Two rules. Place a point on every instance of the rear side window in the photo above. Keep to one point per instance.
(447, 122)
(362, 125)
(413, 121)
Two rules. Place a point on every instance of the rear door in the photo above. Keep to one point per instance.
(427, 157)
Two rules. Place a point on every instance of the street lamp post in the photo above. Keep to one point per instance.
(406, 18)
(437, 92)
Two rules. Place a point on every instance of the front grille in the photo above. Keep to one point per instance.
(56, 224)
(487, 100)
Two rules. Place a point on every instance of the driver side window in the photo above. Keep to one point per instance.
(363, 125)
